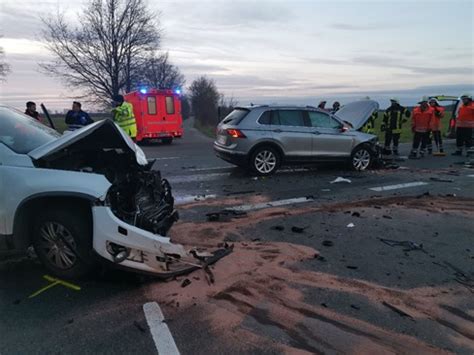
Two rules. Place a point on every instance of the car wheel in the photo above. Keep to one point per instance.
(62, 239)
(167, 140)
(361, 158)
(265, 161)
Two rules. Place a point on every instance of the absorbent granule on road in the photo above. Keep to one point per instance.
(264, 294)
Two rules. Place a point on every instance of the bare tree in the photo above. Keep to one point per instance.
(226, 105)
(103, 53)
(204, 100)
(4, 67)
(158, 72)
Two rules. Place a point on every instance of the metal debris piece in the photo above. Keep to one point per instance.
(397, 310)
(408, 244)
(437, 179)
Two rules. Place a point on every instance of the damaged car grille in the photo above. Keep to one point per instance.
(144, 200)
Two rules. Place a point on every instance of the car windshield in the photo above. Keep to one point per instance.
(22, 133)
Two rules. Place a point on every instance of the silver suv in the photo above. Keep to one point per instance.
(263, 138)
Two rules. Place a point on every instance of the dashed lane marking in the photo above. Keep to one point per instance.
(278, 203)
(159, 330)
(398, 186)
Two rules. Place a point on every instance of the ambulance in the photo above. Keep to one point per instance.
(158, 114)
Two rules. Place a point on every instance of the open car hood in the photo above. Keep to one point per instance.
(103, 134)
(357, 113)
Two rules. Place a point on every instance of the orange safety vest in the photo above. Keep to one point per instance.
(435, 124)
(465, 117)
(420, 120)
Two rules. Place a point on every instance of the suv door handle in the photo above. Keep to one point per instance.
(277, 130)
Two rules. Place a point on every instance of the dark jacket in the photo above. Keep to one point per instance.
(394, 117)
(33, 114)
(77, 119)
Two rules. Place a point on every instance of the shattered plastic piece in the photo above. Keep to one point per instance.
(326, 190)
(295, 229)
(340, 179)
(139, 326)
(387, 217)
(351, 225)
(355, 214)
(355, 307)
(327, 243)
(186, 282)
(278, 228)
(352, 267)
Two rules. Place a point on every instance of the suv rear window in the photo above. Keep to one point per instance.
(236, 116)
(265, 118)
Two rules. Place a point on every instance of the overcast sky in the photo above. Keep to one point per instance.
(278, 51)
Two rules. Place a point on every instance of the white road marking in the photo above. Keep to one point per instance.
(212, 168)
(181, 200)
(197, 177)
(398, 186)
(278, 203)
(159, 330)
(165, 158)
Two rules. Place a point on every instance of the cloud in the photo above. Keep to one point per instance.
(355, 27)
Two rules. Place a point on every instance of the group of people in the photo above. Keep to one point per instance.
(77, 118)
(425, 125)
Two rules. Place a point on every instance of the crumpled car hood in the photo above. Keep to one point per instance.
(105, 134)
(357, 113)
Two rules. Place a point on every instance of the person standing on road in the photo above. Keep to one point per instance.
(31, 111)
(420, 125)
(393, 119)
(124, 117)
(335, 107)
(76, 118)
(435, 126)
(464, 124)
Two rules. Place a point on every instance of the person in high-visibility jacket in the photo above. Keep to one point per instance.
(393, 119)
(369, 127)
(435, 126)
(124, 117)
(420, 126)
(465, 124)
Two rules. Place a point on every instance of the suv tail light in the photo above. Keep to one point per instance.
(235, 133)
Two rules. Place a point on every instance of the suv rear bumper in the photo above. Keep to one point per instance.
(237, 158)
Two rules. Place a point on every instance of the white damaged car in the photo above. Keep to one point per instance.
(86, 194)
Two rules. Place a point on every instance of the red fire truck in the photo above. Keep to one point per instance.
(158, 114)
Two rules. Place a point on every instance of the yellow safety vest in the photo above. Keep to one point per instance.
(124, 117)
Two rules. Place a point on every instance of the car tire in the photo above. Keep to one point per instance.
(265, 161)
(361, 158)
(167, 141)
(62, 239)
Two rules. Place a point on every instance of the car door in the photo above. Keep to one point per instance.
(329, 138)
(3, 226)
(290, 129)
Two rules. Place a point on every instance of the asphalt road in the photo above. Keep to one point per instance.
(338, 283)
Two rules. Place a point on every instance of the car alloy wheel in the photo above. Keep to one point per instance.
(57, 241)
(361, 159)
(265, 161)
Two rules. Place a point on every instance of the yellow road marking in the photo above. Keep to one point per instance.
(54, 282)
